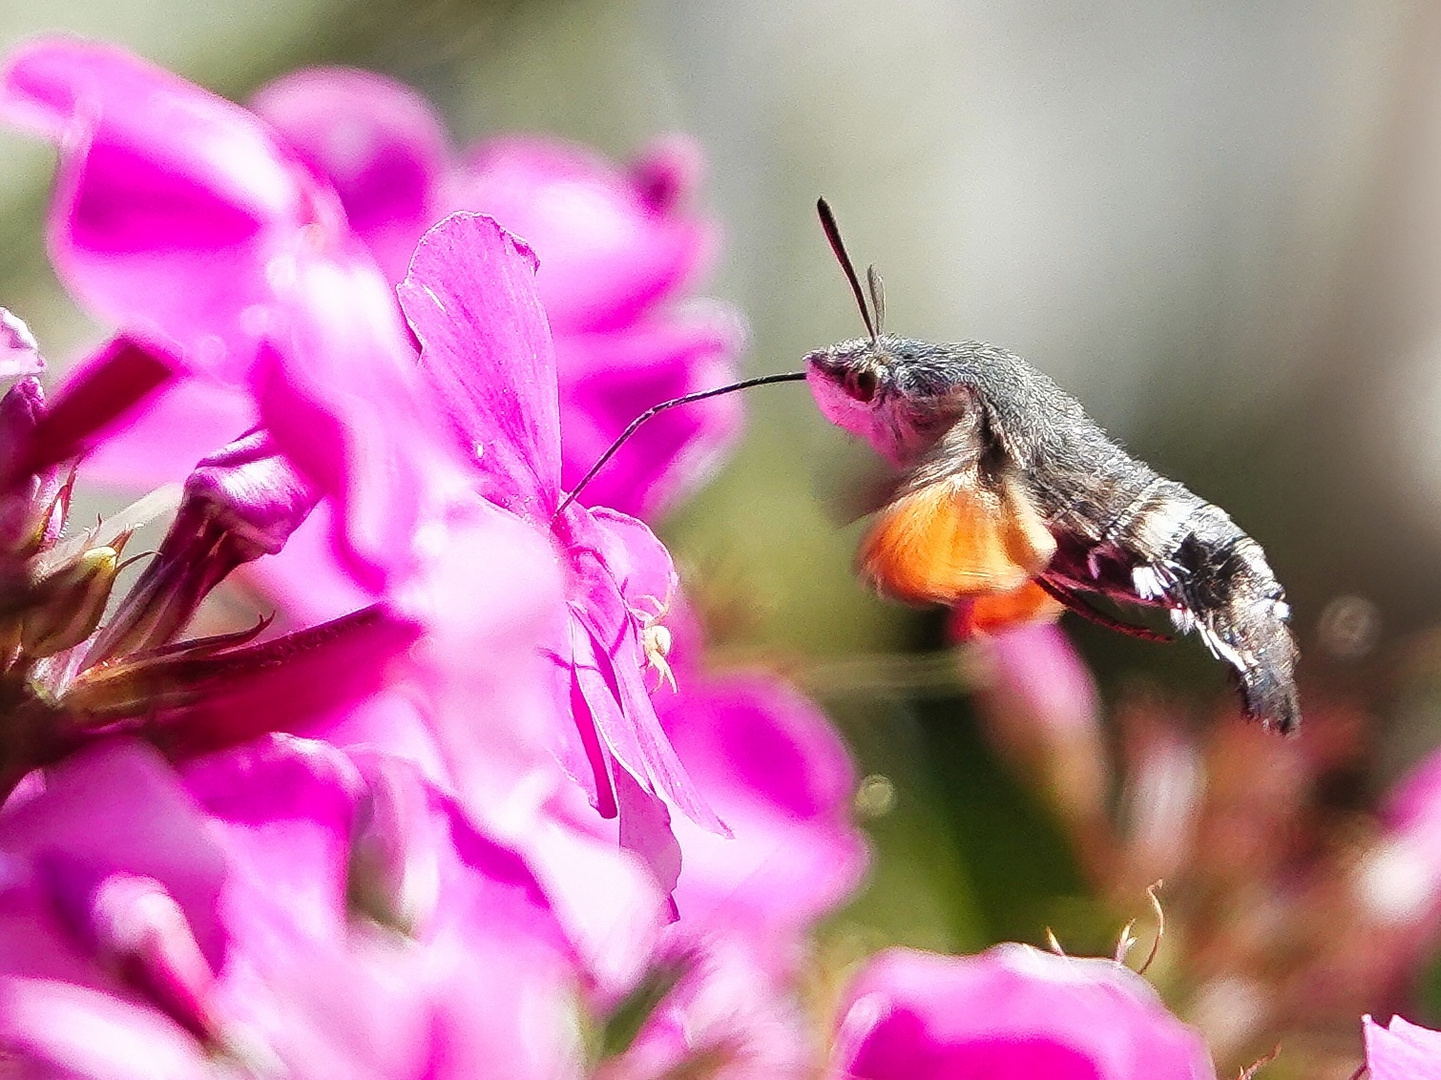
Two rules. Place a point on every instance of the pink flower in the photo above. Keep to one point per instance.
(286, 907)
(1011, 1012)
(1040, 706)
(1401, 1051)
(615, 246)
(782, 779)
(485, 347)
(1398, 884)
(183, 219)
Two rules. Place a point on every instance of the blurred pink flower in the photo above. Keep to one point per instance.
(377, 143)
(782, 779)
(183, 219)
(1040, 706)
(286, 908)
(1038, 667)
(1011, 1013)
(1401, 1050)
(615, 245)
(1398, 884)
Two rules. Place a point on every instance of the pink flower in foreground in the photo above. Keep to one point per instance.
(285, 909)
(183, 219)
(485, 348)
(1401, 1050)
(1011, 1013)
(616, 246)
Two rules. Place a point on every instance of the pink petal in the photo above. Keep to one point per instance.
(645, 828)
(470, 298)
(610, 244)
(1011, 1013)
(285, 808)
(306, 579)
(120, 808)
(135, 928)
(632, 555)
(608, 660)
(105, 393)
(378, 143)
(1401, 1051)
(341, 395)
(620, 570)
(608, 379)
(168, 433)
(781, 777)
(285, 684)
(610, 904)
(61, 1028)
(170, 201)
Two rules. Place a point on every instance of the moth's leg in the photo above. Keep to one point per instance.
(1084, 608)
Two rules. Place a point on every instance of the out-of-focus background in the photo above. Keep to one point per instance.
(1218, 225)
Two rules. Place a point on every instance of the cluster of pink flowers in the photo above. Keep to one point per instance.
(451, 822)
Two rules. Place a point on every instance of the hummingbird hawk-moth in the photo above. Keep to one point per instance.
(1014, 504)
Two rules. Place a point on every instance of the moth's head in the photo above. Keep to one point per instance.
(898, 394)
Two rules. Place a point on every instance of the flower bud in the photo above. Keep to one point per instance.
(32, 508)
(68, 603)
(136, 928)
(240, 503)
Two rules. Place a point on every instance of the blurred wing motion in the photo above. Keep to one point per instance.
(957, 538)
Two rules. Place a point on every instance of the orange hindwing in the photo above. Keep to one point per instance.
(988, 614)
(955, 539)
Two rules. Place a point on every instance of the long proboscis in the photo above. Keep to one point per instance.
(685, 399)
(838, 246)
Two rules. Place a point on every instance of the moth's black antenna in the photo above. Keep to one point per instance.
(685, 399)
(878, 297)
(833, 234)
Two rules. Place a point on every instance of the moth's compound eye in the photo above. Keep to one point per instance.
(861, 385)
